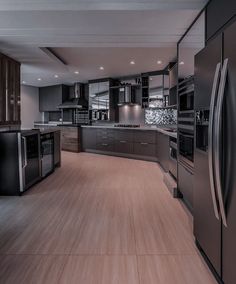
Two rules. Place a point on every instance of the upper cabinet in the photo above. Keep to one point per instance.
(9, 91)
(52, 96)
(218, 13)
(103, 101)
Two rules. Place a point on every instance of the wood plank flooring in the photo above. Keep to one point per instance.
(99, 219)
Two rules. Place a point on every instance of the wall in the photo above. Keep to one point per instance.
(29, 106)
(131, 114)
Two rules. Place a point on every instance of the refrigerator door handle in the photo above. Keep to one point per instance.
(217, 140)
(25, 153)
(210, 140)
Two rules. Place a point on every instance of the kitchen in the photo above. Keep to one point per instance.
(116, 142)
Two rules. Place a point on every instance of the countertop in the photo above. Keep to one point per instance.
(152, 128)
(111, 126)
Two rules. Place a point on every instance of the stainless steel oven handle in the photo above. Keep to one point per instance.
(217, 140)
(210, 141)
(25, 152)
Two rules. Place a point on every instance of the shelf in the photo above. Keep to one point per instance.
(188, 91)
(187, 80)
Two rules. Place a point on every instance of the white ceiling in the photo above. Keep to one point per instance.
(88, 34)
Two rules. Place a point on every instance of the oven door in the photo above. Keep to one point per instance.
(186, 148)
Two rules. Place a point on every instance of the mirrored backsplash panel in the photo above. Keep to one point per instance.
(165, 116)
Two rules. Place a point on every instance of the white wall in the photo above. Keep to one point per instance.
(29, 106)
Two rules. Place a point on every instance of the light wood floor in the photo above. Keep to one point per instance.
(99, 219)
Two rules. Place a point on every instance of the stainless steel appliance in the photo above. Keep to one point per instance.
(186, 148)
(215, 155)
(47, 153)
(20, 161)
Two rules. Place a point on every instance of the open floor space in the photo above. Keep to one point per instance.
(99, 219)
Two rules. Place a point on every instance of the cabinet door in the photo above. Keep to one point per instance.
(88, 138)
(163, 149)
(145, 149)
(143, 136)
(2, 90)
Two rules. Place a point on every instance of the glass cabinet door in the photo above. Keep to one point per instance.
(156, 91)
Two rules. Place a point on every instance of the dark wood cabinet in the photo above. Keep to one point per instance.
(162, 150)
(218, 13)
(145, 149)
(147, 136)
(70, 139)
(9, 91)
(52, 96)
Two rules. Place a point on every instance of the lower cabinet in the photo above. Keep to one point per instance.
(145, 149)
(185, 185)
(122, 146)
(163, 150)
(70, 139)
(88, 138)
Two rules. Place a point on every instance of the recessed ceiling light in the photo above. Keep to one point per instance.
(56, 76)
(101, 68)
(150, 78)
(76, 72)
(159, 62)
(181, 63)
(132, 62)
(23, 82)
(39, 79)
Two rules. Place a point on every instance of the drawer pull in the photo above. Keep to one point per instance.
(104, 144)
(143, 143)
(122, 141)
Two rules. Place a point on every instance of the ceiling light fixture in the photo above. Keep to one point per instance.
(159, 62)
(181, 63)
(39, 79)
(132, 62)
(101, 68)
(23, 82)
(150, 78)
(56, 76)
(76, 72)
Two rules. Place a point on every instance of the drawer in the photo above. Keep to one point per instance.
(105, 147)
(69, 140)
(104, 132)
(122, 135)
(145, 136)
(145, 149)
(124, 147)
(105, 139)
(70, 133)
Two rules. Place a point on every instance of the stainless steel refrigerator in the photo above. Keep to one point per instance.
(215, 154)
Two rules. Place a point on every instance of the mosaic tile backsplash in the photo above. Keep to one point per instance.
(161, 116)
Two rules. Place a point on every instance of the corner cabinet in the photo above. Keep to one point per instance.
(9, 91)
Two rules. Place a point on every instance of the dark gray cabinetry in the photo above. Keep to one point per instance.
(57, 148)
(145, 143)
(162, 150)
(218, 13)
(185, 185)
(52, 96)
(124, 142)
(88, 138)
(105, 139)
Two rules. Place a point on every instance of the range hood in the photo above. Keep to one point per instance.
(127, 95)
(76, 100)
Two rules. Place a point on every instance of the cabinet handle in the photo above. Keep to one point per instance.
(122, 141)
(104, 144)
(143, 143)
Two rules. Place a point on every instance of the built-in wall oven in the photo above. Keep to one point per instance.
(186, 148)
